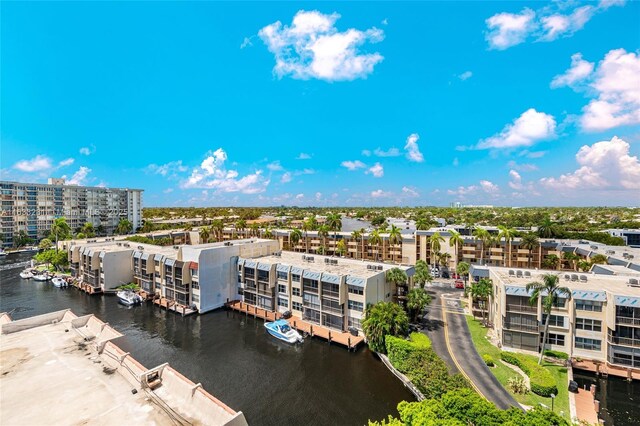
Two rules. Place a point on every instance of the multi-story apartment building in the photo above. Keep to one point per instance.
(201, 277)
(32, 207)
(599, 321)
(631, 237)
(328, 291)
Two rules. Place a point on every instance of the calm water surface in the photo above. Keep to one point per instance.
(234, 358)
(619, 399)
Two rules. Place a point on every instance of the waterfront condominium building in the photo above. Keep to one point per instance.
(200, 276)
(32, 207)
(328, 291)
(599, 322)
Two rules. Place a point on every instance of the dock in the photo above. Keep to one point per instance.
(171, 305)
(331, 336)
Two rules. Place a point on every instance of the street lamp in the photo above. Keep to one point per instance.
(553, 397)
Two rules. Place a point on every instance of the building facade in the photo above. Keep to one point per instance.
(32, 207)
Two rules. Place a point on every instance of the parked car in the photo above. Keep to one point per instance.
(459, 284)
(445, 274)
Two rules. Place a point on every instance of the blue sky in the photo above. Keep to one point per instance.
(218, 103)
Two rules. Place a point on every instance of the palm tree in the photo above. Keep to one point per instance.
(548, 229)
(323, 232)
(417, 300)
(599, 259)
(308, 225)
(434, 243)
(422, 274)
(334, 222)
(397, 276)
(551, 262)
(482, 290)
(88, 229)
(463, 270)
(375, 240)
(268, 233)
(294, 238)
(529, 241)
(584, 265)
(484, 236)
(356, 235)
(383, 319)
(571, 258)
(550, 290)
(254, 229)
(218, 228)
(443, 259)
(241, 225)
(508, 234)
(341, 248)
(422, 224)
(204, 235)
(60, 229)
(456, 241)
(395, 235)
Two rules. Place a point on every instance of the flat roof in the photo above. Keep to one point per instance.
(113, 246)
(52, 373)
(617, 285)
(70, 186)
(345, 266)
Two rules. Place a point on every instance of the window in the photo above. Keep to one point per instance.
(588, 305)
(555, 339)
(297, 306)
(356, 306)
(355, 290)
(554, 320)
(560, 302)
(588, 344)
(282, 288)
(295, 277)
(195, 298)
(283, 302)
(283, 275)
(295, 291)
(195, 285)
(588, 324)
(194, 272)
(355, 322)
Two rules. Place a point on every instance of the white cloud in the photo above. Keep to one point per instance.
(303, 156)
(353, 165)
(36, 164)
(484, 186)
(531, 127)
(532, 154)
(391, 152)
(212, 174)
(79, 177)
(603, 165)
(171, 168)
(366, 153)
(274, 166)
(168, 191)
(413, 151)
(376, 170)
(286, 177)
(515, 180)
(410, 192)
(88, 150)
(246, 43)
(489, 187)
(524, 167)
(304, 172)
(318, 196)
(463, 190)
(379, 193)
(312, 47)
(509, 29)
(299, 196)
(65, 163)
(465, 75)
(580, 69)
(557, 25)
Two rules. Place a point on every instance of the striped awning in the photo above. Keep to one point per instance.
(311, 275)
(137, 254)
(250, 263)
(333, 279)
(598, 296)
(264, 266)
(630, 301)
(355, 281)
(169, 262)
(282, 268)
(296, 270)
(517, 291)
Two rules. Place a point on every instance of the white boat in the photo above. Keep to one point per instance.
(41, 277)
(281, 329)
(25, 275)
(128, 297)
(2, 252)
(59, 282)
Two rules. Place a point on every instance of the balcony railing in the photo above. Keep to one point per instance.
(521, 327)
(626, 320)
(311, 305)
(625, 341)
(265, 292)
(332, 294)
(522, 308)
(308, 289)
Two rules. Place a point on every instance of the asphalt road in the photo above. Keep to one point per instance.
(433, 326)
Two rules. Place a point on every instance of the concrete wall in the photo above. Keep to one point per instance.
(116, 267)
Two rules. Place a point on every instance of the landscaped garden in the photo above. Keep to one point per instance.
(545, 379)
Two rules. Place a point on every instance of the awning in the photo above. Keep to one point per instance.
(193, 265)
(145, 256)
(169, 262)
(296, 270)
(355, 281)
(249, 263)
(264, 266)
(630, 301)
(282, 268)
(517, 291)
(311, 275)
(137, 254)
(333, 279)
(599, 296)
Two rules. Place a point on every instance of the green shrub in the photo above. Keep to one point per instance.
(556, 354)
(542, 382)
(517, 385)
(420, 340)
(488, 360)
(398, 351)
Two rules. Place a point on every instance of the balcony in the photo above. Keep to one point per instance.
(308, 289)
(521, 327)
(265, 292)
(333, 309)
(625, 341)
(635, 322)
(329, 293)
(522, 308)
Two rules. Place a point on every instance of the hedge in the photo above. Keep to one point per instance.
(556, 354)
(488, 360)
(542, 382)
(420, 340)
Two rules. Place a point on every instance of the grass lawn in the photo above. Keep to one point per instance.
(503, 373)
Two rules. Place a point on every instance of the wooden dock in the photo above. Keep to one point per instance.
(171, 305)
(332, 336)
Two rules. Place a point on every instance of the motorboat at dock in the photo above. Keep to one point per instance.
(280, 329)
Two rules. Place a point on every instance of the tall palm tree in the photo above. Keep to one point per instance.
(241, 225)
(308, 225)
(204, 235)
(294, 238)
(395, 235)
(571, 258)
(507, 234)
(334, 222)
(456, 241)
(88, 229)
(463, 270)
(550, 290)
(124, 227)
(383, 319)
(356, 235)
(422, 274)
(548, 229)
(483, 236)
(363, 234)
(483, 290)
(417, 300)
(323, 232)
(529, 241)
(435, 243)
(397, 276)
(375, 240)
(422, 223)
(218, 228)
(443, 259)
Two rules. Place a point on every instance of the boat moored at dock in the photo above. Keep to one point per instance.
(281, 329)
(59, 282)
(26, 274)
(128, 297)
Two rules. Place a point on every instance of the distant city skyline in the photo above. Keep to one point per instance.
(330, 104)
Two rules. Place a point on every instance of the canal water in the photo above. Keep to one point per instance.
(231, 355)
(619, 399)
